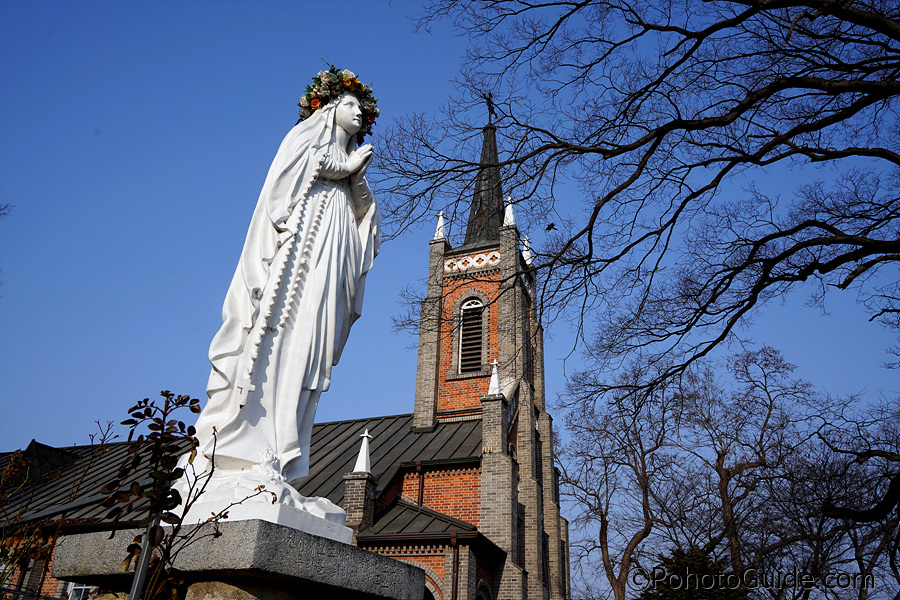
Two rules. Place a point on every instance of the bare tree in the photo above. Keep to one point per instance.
(726, 152)
(621, 461)
(734, 460)
(679, 121)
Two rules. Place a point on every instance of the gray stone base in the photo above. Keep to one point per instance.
(251, 560)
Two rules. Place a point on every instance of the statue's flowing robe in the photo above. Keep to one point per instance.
(295, 293)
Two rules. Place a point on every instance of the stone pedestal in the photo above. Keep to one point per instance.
(260, 508)
(251, 560)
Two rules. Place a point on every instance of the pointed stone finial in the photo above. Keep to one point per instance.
(509, 219)
(494, 388)
(486, 213)
(526, 251)
(439, 232)
(362, 461)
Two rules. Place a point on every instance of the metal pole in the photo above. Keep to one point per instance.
(140, 569)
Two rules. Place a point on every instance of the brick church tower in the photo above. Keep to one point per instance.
(479, 312)
(465, 487)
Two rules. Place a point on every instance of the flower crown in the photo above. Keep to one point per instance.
(330, 84)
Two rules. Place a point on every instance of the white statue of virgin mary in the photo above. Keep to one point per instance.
(297, 289)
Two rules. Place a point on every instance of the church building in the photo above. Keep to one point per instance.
(465, 486)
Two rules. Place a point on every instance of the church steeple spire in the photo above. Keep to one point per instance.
(486, 214)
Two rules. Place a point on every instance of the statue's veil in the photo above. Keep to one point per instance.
(289, 180)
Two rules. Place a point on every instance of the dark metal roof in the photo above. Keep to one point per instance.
(405, 522)
(72, 487)
(335, 446)
(405, 518)
(486, 214)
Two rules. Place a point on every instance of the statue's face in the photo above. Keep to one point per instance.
(349, 114)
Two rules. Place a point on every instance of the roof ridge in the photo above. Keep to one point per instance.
(360, 419)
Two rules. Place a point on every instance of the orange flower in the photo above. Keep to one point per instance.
(314, 103)
(350, 84)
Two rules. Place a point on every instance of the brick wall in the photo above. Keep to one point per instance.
(462, 394)
(38, 580)
(453, 492)
(431, 563)
(457, 394)
(52, 586)
(435, 563)
(359, 501)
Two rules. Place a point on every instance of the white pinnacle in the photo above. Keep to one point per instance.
(439, 233)
(362, 461)
(509, 219)
(526, 251)
(494, 388)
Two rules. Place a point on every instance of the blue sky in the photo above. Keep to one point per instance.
(134, 138)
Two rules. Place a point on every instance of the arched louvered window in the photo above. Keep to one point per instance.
(472, 326)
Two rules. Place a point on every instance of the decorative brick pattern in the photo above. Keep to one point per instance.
(467, 263)
(458, 417)
(409, 550)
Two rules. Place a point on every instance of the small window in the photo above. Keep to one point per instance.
(472, 325)
(80, 591)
